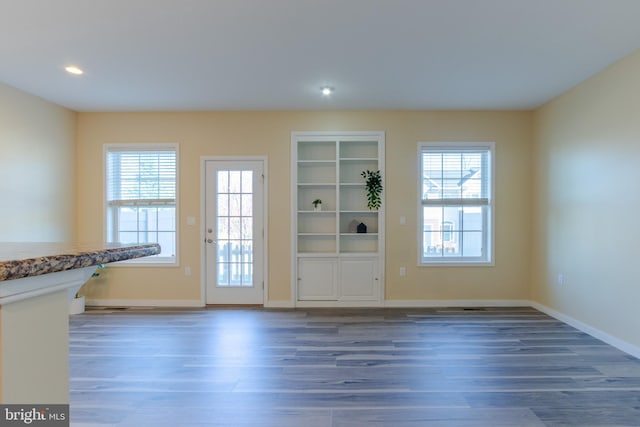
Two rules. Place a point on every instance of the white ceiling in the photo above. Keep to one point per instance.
(170, 55)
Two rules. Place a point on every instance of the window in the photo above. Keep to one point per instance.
(455, 203)
(141, 186)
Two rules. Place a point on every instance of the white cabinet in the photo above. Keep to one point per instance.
(334, 258)
(317, 279)
(358, 279)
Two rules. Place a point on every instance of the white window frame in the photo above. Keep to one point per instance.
(488, 256)
(158, 260)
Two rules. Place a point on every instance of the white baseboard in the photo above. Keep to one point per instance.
(279, 304)
(594, 332)
(168, 303)
(456, 303)
(399, 304)
(143, 303)
(310, 304)
(339, 304)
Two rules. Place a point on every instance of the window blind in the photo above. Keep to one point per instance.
(455, 176)
(141, 177)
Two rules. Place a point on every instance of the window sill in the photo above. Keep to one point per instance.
(452, 263)
(147, 262)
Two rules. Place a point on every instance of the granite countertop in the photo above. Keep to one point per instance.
(18, 260)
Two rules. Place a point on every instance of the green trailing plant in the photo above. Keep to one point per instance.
(373, 182)
(95, 274)
(316, 202)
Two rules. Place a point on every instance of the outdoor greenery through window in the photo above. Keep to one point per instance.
(456, 203)
(141, 197)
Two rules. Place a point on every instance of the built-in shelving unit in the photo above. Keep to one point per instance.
(333, 263)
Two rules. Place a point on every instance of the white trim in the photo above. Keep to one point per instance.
(490, 234)
(344, 135)
(336, 137)
(34, 286)
(265, 223)
(456, 303)
(454, 263)
(340, 304)
(139, 146)
(143, 303)
(594, 332)
(153, 262)
(166, 261)
(293, 218)
(265, 228)
(279, 304)
(169, 303)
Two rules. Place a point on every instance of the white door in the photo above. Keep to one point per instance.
(234, 231)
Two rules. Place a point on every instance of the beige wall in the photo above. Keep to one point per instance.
(37, 169)
(268, 134)
(587, 201)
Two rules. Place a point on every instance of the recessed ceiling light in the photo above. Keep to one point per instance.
(326, 90)
(72, 69)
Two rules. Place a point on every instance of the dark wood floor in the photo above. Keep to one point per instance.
(391, 367)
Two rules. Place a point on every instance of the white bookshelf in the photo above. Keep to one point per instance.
(333, 264)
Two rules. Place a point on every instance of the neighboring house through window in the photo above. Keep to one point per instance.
(456, 203)
(141, 188)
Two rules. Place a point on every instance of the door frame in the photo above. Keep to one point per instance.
(203, 220)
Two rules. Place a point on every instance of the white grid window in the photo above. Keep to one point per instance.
(141, 187)
(455, 203)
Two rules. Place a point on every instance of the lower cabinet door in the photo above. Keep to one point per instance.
(359, 279)
(317, 279)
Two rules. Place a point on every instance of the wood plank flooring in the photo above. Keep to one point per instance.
(345, 367)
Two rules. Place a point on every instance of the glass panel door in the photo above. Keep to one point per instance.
(234, 232)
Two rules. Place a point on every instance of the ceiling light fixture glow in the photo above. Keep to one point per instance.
(72, 69)
(326, 91)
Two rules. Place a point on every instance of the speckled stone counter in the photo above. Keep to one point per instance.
(37, 281)
(18, 260)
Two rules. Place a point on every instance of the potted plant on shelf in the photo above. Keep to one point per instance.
(373, 182)
(317, 205)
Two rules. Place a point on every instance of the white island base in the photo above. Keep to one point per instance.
(37, 283)
(34, 337)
